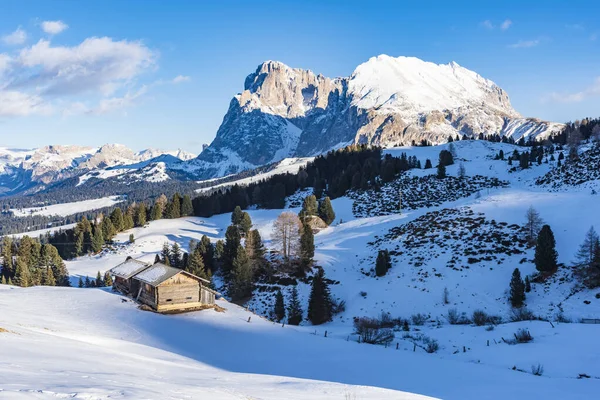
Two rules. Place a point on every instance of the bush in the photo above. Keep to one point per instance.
(490, 328)
(370, 331)
(523, 336)
(537, 370)
(432, 346)
(480, 318)
(454, 318)
(338, 306)
(561, 317)
(419, 319)
(522, 314)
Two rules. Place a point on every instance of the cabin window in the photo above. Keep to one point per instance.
(188, 298)
(169, 300)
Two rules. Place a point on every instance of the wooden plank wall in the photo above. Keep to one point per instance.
(179, 294)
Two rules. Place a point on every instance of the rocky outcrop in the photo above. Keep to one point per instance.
(287, 112)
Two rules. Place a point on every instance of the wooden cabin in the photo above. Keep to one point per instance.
(165, 288)
(123, 274)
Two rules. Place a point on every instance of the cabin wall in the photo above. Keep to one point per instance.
(179, 294)
(121, 284)
(206, 297)
(147, 294)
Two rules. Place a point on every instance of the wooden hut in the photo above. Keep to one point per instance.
(123, 274)
(166, 288)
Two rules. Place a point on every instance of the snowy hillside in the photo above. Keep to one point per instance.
(463, 235)
(66, 209)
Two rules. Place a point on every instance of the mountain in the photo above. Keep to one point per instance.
(290, 112)
(33, 169)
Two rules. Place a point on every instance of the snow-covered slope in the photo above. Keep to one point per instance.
(285, 112)
(66, 209)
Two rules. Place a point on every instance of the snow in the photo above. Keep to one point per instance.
(42, 232)
(66, 209)
(128, 268)
(156, 273)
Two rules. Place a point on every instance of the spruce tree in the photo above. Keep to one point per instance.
(49, 280)
(99, 281)
(22, 277)
(241, 281)
(140, 215)
(232, 243)
(7, 258)
(131, 238)
(309, 206)
(156, 212)
(207, 251)
(97, 240)
(307, 246)
(175, 255)
(108, 229)
(165, 254)
(80, 284)
(294, 311)
(279, 309)
(383, 263)
(176, 208)
(196, 264)
(319, 303)
(128, 222)
(245, 224)
(545, 252)
(527, 285)
(441, 171)
(236, 216)
(517, 289)
(428, 164)
(186, 206)
(326, 212)
(107, 279)
(116, 217)
(88, 283)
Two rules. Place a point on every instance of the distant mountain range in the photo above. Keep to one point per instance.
(287, 112)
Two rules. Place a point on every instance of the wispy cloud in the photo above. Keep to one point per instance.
(54, 27)
(523, 44)
(487, 24)
(506, 24)
(19, 36)
(576, 97)
(181, 79)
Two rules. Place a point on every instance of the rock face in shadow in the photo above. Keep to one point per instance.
(289, 112)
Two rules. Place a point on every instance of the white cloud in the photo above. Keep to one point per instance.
(5, 61)
(591, 91)
(18, 104)
(119, 103)
(180, 79)
(521, 44)
(19, 36)
(54, 27)
(487, 24)
(506, 24)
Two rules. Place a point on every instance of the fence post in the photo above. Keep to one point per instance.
(414, 348)
(249, 318)
(488, 343)
(397, 344)
(325, 333)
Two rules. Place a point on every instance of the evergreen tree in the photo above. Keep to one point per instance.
(7, 258)
(527, 285)
(140, 215)
(319, 303)
(588, 249)
(165, 254)
(116, 217)
(428, 164)
(186, 206)
(309, 206)
(97, 240)
(80, 284)
(156, 259)
(128, 222)
(279, 309)
(22, 277)
(49, 280)
(326, 212)
(307, 246)
(155, 213)
(207, 251)
(236, 216)
(175, 255)
(196, 264)
(524, 160)
(107, 279)
(255, 250)
(131, 238)
(445, 158)
(441, 171)
(232, 243)
(545, 251)
(245, 224)
(88, 283)
(219, 252)
(99, 281)
(294, 311)
(108, 229)
(241, 282)
(383, 263)
(517, 289)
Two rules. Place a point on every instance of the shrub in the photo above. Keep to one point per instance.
(370, 331)
(338, 306)
(454, 318)
(480, 318)
(419, 319)
(561, 317)
(522, 314)
(537, 370)
(490, 327)
(432, 346)
(523, 336)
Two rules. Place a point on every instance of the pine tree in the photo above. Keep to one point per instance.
(255, 250)
(128, 222)
(166, 254)
(319, 303)
(241, 282)
(441, 171)
(279, 309)
(80, 284)
(175, 255)
(99, 281)
(545, 251)
(97, 240)
(155, 213)
(88, 283)
(196, 264)
(7, 258)
(107, 279)
(131, 238)
(294, 311)
(207, 251)
(517, 289)
(383, 263)
(587, 250)
(116, 217)
(527, 285)
(140, 215)
(326, 212)
(108, 229)
(307, 246)
(186, 206)
(232, 243)
(309, 206)
(49, 281)
(428, 164)
(245, 224)
(236, 216)
(22, 277)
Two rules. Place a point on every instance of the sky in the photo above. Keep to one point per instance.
(161, 74)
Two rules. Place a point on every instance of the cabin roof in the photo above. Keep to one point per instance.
(159, 272)
(129, 268)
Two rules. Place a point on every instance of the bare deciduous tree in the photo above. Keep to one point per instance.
(533, 224)
(287, 230)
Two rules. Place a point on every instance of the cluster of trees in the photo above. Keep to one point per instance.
(536, 153)
(90, 236)
(28, 262)
(201, 259)
(100, 281)
(333, 174)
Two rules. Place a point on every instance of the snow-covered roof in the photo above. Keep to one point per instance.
(128, 268)
(157, 274)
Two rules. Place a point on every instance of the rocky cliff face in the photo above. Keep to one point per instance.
(285, 112)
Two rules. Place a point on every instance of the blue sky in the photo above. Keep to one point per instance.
(162, 73)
